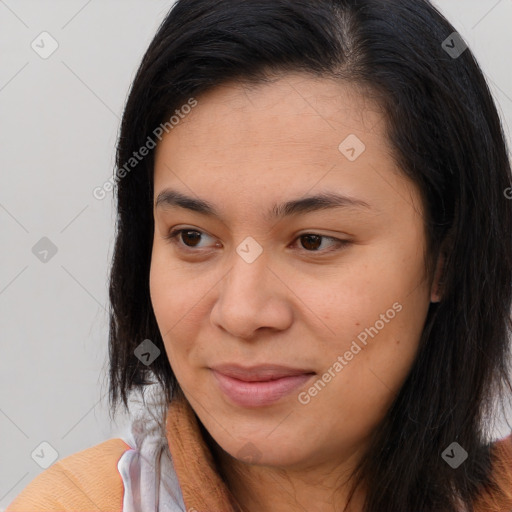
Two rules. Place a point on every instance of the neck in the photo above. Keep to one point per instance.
(322, 488)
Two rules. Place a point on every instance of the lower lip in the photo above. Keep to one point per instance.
(257, 394)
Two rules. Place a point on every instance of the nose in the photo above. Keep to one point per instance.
(253, 297)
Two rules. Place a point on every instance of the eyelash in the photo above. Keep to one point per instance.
(173, 238)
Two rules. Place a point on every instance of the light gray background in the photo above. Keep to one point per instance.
(59, 122)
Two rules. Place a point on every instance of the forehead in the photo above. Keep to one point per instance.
(307, 106)
(289, 134)
(293, 115)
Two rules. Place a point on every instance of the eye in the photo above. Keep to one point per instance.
(311, 242)
(189, 239)
(185, 236)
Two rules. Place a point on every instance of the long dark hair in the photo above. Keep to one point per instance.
(446, 136)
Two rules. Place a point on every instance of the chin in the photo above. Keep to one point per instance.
(262, 450)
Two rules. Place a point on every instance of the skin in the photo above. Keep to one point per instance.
(243, 150)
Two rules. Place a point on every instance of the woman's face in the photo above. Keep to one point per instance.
(326, 298)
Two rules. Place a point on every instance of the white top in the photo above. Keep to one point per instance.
(149, 478)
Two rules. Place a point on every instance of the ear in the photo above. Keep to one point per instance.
(436, 288)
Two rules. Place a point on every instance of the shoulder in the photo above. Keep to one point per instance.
(84, 481)
(499, 497)
(502, 468)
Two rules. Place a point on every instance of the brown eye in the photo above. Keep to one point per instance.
(188, 235)
(186, 238)
(311, 242)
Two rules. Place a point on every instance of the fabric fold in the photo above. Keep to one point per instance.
(202, 487)
(148, 473)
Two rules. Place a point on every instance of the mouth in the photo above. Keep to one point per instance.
(261, 385)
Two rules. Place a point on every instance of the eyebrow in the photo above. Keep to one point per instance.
(169, 198)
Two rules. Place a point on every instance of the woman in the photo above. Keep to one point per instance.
(313, 260)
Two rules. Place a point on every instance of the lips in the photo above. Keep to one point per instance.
(258, 385)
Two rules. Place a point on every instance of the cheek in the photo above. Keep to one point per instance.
(162, 288)
(380, 334)
(344, 303)
(168, 296)
(373, 311)
(180, 303)
(174, 289)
